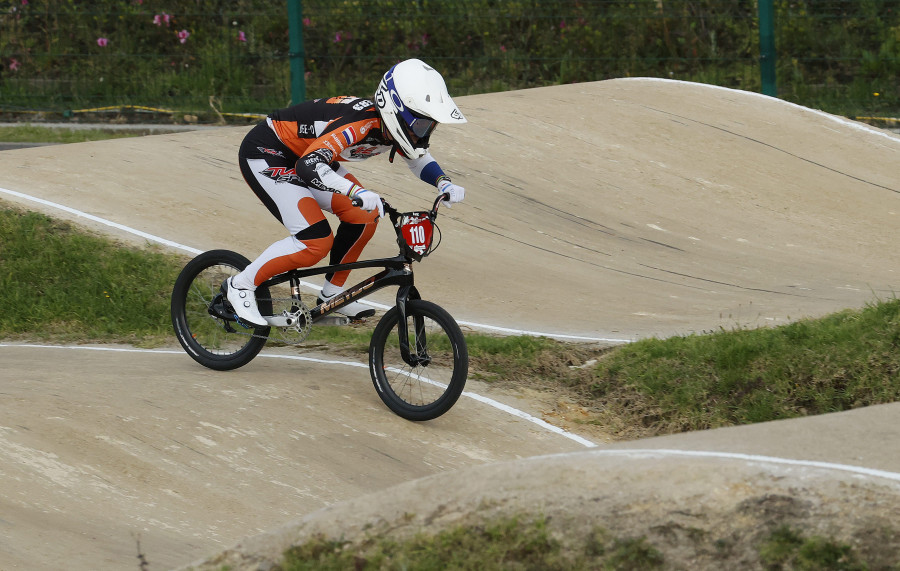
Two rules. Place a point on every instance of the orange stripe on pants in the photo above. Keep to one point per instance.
(343, 208)
(315, 250)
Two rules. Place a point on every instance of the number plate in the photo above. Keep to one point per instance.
(417, 231)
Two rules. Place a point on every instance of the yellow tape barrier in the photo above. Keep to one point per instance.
(125, 108)
(892, 120)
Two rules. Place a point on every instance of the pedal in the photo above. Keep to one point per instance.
(333, 320)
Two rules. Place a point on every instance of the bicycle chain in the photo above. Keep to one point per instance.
(293, 334)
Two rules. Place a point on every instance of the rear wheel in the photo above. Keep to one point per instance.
(202, 318)
(425, 381)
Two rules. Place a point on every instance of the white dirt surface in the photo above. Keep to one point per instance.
(618, 209)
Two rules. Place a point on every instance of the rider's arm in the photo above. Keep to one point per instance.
(428, 169)
(315, 170)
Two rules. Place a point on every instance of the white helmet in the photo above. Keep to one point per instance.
(412, 99)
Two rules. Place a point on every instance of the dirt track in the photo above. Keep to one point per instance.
(618, 209)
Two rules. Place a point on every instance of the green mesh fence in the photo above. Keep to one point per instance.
(220, 60)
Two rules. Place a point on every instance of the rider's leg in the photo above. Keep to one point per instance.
(310, 240)
(302, 250)
(352, 235)
(354, 232)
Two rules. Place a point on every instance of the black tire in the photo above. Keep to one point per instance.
(426, 390)
(212, 341)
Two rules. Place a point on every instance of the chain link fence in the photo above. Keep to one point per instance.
(213, 60)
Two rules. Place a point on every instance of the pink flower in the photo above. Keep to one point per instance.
(102, 42)
(307, 22)
(242, 37)
(562, 25)
(337, 37)
(502, 48)
(13, 64)
(183, 35)
(24, 2)
(161, 19)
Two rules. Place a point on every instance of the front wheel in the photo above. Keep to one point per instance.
(203, 323)
(423, 378)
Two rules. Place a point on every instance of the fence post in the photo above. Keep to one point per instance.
(767, 48)
(296, 53)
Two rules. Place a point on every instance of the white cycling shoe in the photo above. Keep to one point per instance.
(354, 310)
(244, 303)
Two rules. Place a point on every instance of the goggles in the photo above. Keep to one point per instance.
(421, 128)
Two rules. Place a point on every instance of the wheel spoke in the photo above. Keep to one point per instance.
(429, 384)
(209, 339)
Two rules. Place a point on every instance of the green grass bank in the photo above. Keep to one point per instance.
(62, 284)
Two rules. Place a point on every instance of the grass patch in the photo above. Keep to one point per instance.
(528, 543)
(61, 283)
(65, 285)
(509, 543)
(786, 548)
(40, 134)
(843, 361)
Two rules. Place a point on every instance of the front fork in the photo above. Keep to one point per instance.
(420, 356)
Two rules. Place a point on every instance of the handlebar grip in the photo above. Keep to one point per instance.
(441, 197)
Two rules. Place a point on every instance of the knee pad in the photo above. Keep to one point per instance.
(317, 240)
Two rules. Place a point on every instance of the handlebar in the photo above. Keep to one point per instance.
(393, 212)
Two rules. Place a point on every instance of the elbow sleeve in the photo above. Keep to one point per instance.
(314, 169)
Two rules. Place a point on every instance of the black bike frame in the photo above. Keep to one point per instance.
(397, 272)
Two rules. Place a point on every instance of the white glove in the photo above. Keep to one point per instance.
(370, 200)
(456, 192)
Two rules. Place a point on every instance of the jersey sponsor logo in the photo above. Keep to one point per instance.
(342, 99)
(367, 126)
(363, 152)
(349, 136)
(280, 174)
(270, 151)
(304, 129)
(362, 105)
(318, 156)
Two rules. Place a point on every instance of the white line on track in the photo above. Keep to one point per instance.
(195, 251)
(631, 452)
(651, 452)
(490, 402)
(482, 399)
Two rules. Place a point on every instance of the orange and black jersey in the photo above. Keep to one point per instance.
(344, 128)
(341, 128)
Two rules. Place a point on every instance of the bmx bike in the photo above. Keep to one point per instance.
(418, 358)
